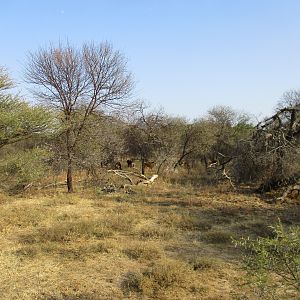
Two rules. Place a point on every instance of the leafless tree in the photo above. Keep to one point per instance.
(277, 138)
(77, 82)
(5, 81)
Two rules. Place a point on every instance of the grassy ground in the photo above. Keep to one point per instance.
(162, 242)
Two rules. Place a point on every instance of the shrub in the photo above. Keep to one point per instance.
(143, 251)
(163, 275)
(279, 255)
(203, 263)
(217, 237)
(25, 167)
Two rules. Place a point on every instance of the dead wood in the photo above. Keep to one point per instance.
(288, 192)
(130, 175)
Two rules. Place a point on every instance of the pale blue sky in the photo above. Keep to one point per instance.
(186, 55)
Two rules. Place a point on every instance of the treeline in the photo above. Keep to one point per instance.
(85, 120)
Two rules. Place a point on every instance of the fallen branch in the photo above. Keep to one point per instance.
(26, 187)
(228, 177)
(122, 174)
(288, 191)
(127, 174)
(54, 184)
(149, 181)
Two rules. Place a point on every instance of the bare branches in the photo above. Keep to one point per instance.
(220, 164)
(5, 80)
(70, 79)
(109, 81)
(77, 82)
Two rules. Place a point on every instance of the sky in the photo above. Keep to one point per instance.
(187, 56)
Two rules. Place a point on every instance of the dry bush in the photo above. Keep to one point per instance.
(144, 251)
(217, 236)
(202, 263)
(164, 280)
(28, 251)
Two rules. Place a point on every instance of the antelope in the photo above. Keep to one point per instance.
(149, 164)
(118, 165)
(130, 163)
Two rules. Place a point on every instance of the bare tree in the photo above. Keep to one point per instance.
(289, 98)
(276, 139)
(77, 82)
(5, 81)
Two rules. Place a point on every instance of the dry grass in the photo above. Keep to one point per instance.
(144, 251)
(217, 237)
(185, 221)
(162, 242)
(153, 232)
(203, 263)
(165, 279)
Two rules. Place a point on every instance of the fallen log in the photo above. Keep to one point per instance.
(129, 176)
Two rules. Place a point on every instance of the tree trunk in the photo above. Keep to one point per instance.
(160, 165)
(143, 166)
(69, 162)
(70, 174)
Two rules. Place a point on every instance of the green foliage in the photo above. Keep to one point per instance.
(19, 120)
(273, 264)
(26, 166)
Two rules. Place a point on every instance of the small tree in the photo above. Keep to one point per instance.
(274, 263)
(150, 136)
(24, 167)
(77, 82)
(18, 119)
